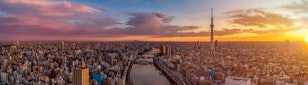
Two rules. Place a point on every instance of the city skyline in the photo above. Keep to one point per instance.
(153, 20)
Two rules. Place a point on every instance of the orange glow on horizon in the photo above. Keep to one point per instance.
(307, 40)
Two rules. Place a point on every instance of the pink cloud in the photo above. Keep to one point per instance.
(48, 19)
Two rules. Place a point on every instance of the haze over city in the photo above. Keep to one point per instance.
(153, 20)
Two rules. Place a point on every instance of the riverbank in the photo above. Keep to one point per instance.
(164, 72)
(128, 77)
(172, 77)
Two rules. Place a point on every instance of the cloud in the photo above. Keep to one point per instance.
(44, 8)
(148, 19)
(262, 23)
(49, 19)
(149, 24)
(299, 7)
(258, 18)
(156, 25)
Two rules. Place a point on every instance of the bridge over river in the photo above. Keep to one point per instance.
(144, 59)
(143, 72)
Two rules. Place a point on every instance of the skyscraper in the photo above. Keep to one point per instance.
(62, 45)
(212, 28)
(216, 44)
(81, 75)
(17, 43)
(165, 50)
(198, 46)
(168, 50)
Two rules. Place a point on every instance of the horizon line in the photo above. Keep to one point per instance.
(154, 41)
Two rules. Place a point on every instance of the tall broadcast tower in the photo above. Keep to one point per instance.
(212, 28)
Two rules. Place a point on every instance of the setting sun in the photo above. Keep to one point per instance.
(297, 24)
(306, 39)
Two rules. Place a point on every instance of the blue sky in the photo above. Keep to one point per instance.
(192, 11)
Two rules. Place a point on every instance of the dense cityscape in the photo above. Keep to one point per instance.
(195, 63)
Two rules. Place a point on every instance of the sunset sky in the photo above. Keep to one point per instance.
(153, 20)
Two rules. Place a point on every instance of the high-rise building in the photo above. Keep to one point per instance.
(17, 43)
(81, 75)
(168, 50)
(165, 50)
(62, 45)
(212, 28)
(216, 44)
(197, 45)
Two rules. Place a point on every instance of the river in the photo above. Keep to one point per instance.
(147, 75)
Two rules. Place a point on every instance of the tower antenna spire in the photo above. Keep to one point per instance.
(212, 12)
(212, 28)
